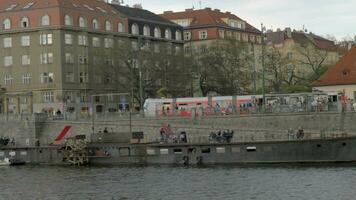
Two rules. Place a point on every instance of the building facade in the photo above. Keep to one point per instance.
(303, 49)
(203, 27)
(55, 53)
(341, 77)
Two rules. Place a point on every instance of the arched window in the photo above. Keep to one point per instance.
(146, 30)
(168, 34)
(120, 27)
(178, 35)
(108, 26)
(68, 20)
(96, 24)
(6, 24)
(82, 22)
(45, 21)
(25, 22)
(134, 29)
(157, 32)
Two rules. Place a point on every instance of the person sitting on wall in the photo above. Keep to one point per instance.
(106, 130)
(300, 133)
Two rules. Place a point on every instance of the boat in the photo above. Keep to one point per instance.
(15, 162)
(5, 162)
(321, 150)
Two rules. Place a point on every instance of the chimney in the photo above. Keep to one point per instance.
(228, 13)
(189, 9)
(167, 12)
(288, 32)
(207, 8)
(217, 10)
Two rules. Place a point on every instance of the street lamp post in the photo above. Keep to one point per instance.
(140, 75)
(263, 65)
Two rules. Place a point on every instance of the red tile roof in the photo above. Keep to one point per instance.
(206, 17)
(302, 38)
(342, 73)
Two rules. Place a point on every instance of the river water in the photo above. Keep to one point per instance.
(273, 182)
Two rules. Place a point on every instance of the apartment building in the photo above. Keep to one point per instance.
(56, 53)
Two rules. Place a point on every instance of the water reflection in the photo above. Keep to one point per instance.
(169, 182)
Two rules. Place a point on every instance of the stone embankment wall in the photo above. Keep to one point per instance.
(246, 128)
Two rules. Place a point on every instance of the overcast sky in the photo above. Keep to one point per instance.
(334, 17)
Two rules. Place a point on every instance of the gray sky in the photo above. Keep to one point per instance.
(334, 17)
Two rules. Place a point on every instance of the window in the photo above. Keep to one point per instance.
(244, 37)
(68, 20)
(6, 24)
(203, 35)
(96, 42)
(26, 79)
(7, 42)
(157, 32)
(134, 29)
(24, 22)
(146, 30)
(48, 97)
(82, 59)
(25, 60)
(46, 39)
(29, 5)
(109, 43)
(187, 36)
(82, 40)
(95, 24)
(221, 33)
(82, 22)
(46, 58)
(228, 34)
(238, 36)
(83, 77)
(120, 28)
(8, 79)
(7, 61)
(108, 26)
(69, 77)
(47, 77)
(45, 21)
(178, 35)
(168, 34)
(252, 38)
(25, 40)
(68, 39)
(69, 58)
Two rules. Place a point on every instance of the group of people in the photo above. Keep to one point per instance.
(4, 141)
(224, 136)
(299, 134)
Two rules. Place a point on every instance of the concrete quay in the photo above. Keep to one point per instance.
(31, 129)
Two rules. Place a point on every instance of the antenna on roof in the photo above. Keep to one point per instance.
(200, 4)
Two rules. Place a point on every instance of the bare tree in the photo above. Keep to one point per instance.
(157, 69)
(279, 70)
(313, 60)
